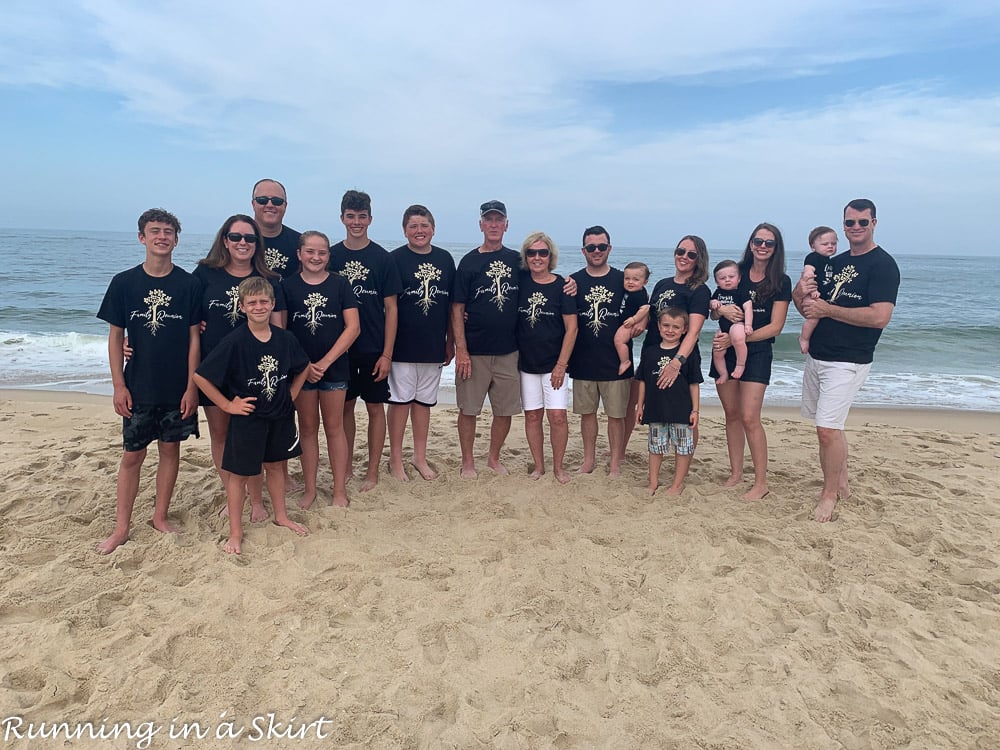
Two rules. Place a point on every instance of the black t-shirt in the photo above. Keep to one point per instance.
(282, 255)
(855, 281)
(424, 304)
(600, 310)
(157, 314)
(671, 405)
(738, 296)
(487, 284)
(822, 265)
(669, 293)
(762, 309)
(220, 303)
(540, 325)
(316, 318)
(243, 365)
(373, 277)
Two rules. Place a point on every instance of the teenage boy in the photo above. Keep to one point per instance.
(156, 305)
(376, 284)
(263, 367)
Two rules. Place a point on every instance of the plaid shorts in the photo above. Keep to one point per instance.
(662, 436)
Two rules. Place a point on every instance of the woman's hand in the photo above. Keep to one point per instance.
(720, 341)
(669, 374)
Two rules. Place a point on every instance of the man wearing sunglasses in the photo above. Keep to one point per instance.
(855, 303)
(594, 365)
(269, 205)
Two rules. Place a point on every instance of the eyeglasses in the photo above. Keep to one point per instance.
(236, 237)
(860, 222)
(261, 200)
(540, 253)
(592, 248)
(759, 242)
(681, 252)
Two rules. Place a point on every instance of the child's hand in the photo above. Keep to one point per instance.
(122, 400)
(714, 304)
(693, 419)
(748, 329)
(241, 406)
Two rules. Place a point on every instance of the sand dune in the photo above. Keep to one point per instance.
(508, 613)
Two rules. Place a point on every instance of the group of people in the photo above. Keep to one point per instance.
(275, 324)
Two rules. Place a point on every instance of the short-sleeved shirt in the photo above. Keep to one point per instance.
(822, 265)
(424, 304)
(220, 303)
(157, 313)
(855, 281)
(373, 277)
(540, 325)
(600, 310)
(669, 293)
(738, 296)
(763, 308)
(487, 284)
(243, 365)
(282, 252)
(671, 405)
(316, 318)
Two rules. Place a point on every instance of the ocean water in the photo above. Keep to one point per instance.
(941, 350)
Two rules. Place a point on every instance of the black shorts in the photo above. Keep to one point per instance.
(362, 382)
(163, 423)
(758, 366)
(252, 442)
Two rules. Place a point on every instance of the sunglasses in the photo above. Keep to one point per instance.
(236, 237)
(541, 253)
(681, 252)
(592, 248)
(758, 242)
(860, 222)
(261, 200)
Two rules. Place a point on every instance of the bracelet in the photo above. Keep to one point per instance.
(383, 356)
(560, 364)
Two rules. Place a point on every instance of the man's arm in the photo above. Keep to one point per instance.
(875, 315)
(463, 362)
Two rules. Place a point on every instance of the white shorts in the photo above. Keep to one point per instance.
(828, 390)
(537, 392)
(414, 382)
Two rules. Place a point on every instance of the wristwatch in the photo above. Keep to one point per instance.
(681, 358)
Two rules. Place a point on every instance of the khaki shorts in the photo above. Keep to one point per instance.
(613, 393)
(495, 375)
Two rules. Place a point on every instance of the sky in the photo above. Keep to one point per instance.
(654, 119)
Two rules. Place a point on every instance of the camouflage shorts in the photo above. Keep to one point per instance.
(149, 423)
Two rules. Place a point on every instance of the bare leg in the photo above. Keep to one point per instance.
(376, 444)
(719, 360)
(420, 422)
(499, 430)
(275, 476)
(833, 460)
(218, 426)
(738, 336)
(729, 395)
(128, 488)
(307, 407)
(166, 478)
(588, 433)
(630, 410)
(331, 405)
(398, 414)
(655, 462)
(559, 437)
(681, 466)
(466, 440)
(255, 491)
(616, 439)
(751, 402)
(235, 494)
(350, 428)
(535, 437)
(808, 326)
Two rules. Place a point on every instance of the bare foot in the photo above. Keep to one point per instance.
(844, 492)
(425, 471)
(370, 483)
(306, 502)
(497, 467)
(738, 371)
(623, 367)
(674, 491)
(232, 546)
(734, 479)
(614, 473)
(537, 474)
(469, 472)
(112, 543)
(340, 501)
(587, 467)
(288, 523)
(561, 476)
(825, 510)
(803, 345)
(258, 513)
(756, 493)
(397, 472)
(164, 527)
(652, 488)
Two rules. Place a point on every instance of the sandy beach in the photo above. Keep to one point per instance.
(508, 613)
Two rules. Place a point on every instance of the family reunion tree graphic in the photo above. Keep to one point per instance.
(535, 303)
(599, 295)
(156, 300)
(268, 368)
(498, 271)
(314, 302)
(425, 274)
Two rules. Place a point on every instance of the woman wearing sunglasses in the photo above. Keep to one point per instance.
(762, 275)
(546, 334)
(237, 253)
(687, 290)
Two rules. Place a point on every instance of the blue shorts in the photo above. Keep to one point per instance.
(662, 436)
(325, 385)
(149, 423)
